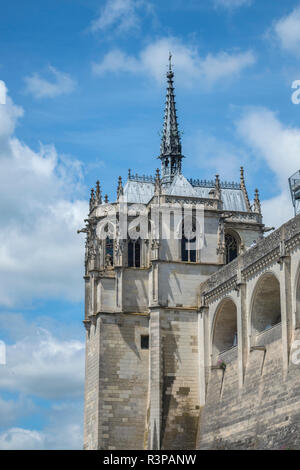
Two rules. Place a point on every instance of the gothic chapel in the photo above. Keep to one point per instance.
(184, 344)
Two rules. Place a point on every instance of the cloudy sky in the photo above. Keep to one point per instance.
(83, 83)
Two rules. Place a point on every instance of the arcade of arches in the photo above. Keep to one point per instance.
(265, 313)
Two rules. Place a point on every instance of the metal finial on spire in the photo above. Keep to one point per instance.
(170, 73)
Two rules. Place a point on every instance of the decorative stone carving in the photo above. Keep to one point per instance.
(108, 261)
(244, 189)
(221, 241)
(256, 204)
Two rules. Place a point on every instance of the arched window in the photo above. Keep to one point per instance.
(134, 253)
(188, 245)
(231, 247)
(109, 251)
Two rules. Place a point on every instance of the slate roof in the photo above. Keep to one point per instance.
(137, 191)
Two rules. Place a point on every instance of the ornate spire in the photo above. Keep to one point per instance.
(157, 189)
(98, 198)
(244, 189)
(92, 200)
(256, 205)
(170, 148)
(106, 198)
(218, 187)
(119, 188)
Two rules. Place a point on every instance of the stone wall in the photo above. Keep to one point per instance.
(91, 402)
(255, 402)
(135, 290)
(179, 283)
(180, 407)
(117, 385)
(263, 414)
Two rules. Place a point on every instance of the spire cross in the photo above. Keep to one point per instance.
(170, 63)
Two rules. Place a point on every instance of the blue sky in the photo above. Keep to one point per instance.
(85, 88)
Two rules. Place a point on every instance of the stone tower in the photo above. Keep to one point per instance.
(146, 346)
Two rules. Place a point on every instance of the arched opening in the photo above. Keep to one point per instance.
(106, 232)
(134, 253)
(266, 311)
(109, 251)
(231, 246)
(225, 328)
(188, 240)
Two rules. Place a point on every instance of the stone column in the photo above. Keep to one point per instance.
(241, 325)
(285, 305)
(242, 333)
(155, 379)
(119, 288)
(93, 293)
(203, 353)
(87, 294)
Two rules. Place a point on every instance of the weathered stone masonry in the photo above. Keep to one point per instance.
(190, 347)
(255, 402)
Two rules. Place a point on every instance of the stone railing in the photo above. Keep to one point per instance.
(141, 178)
(291, 228)
(207, 203)
(228, 355)
(263, 248)
(248, 217)
(268, 336)
(212, 184)
(223, 275)
(269, 248)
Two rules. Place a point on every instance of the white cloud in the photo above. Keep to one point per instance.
(278, 210)
(215, 155)
(287, 31)
(279, 147)
(121, 15)
(3, 92)
(44, 366)
(225, 65)
(190, 67)
(21, 439)
(64, 432)
(11, 410)
(59, 84)
(41, 365)
(116, 61)
(231, 3)
(41, 254)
